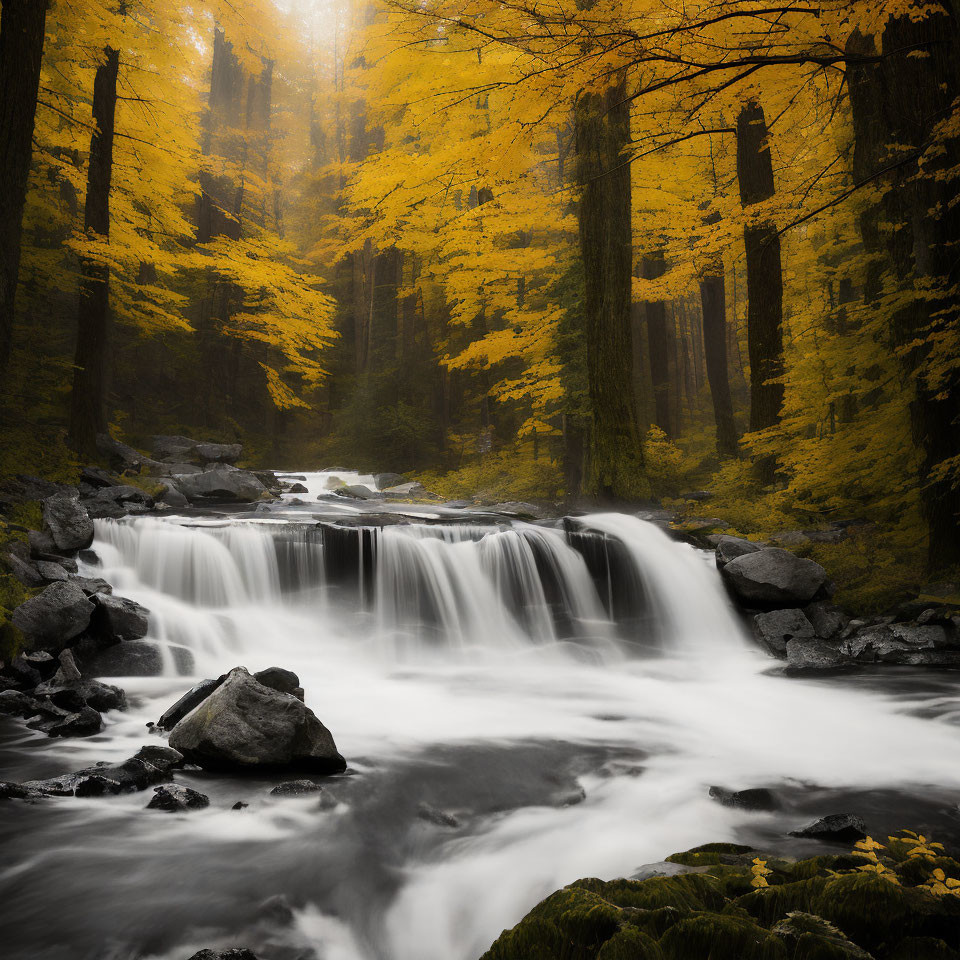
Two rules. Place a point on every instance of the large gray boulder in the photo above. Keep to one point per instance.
(55, 616)
(245, 725)
(776, 628)
(222, 484)
(117, 618)
(69, 523)
(25, 571)
(122, 456)
(185, 449)
(772, 577)
(729, 548)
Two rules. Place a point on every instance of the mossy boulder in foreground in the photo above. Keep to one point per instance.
(881, 902)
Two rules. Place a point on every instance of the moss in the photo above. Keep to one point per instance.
(720, 937)
(771, 903)
(809, 937)
(922, 948)
(710, 853)
(691, 891)
(629, 943)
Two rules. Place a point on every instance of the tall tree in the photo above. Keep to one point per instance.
(658, 339)
(87, 400)
(22, 24)
(602, 132)
(764, 277)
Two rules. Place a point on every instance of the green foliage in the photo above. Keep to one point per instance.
(508, 475)
(822, 908)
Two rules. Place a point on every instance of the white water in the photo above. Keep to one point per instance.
(463, 643)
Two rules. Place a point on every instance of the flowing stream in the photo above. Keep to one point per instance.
(520, 705)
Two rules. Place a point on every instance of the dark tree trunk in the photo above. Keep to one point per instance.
(764, 278)
(86, 411)
(912, 232)
(713, 300)
(602, 131)
(22, 24)
(658, 340)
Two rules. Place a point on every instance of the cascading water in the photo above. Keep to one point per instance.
(564, 696)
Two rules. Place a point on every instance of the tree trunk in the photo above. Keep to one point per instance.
(658, 341)
(22, 24)
(602, 131)
(896, 104)
(86, 411)
(764, 279)
(713, 300)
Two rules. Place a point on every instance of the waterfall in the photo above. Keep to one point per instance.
(604, 581)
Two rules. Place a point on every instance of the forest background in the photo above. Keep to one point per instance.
(601, 251)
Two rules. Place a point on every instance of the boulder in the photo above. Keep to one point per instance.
(909, 644)
(772, 578)
(221, 484)
(68, 690)
(164, 468)
(117, 618)
(24, 570)
(42, 547)
(68, 522)
(729, 548)
(776, 628)
(55, 616)
(219, 452)
(134, 658)
(83, 723)
(296, 788)
(384, 480)
(121, 455)
(811, 656)
(297, 488)
(754, 798)
(357, 491)
(39, 663)
(827, 620)
(176, 798)
(98, 477)
(245, 725)
(286, 681)
(103, 508)
(91, 585)
(51, 572)
(125, 493)
(15, 703)
(171, 494)
(172, 447)
(234, 953)
(408, 490)
(190, 700)
(837, 827)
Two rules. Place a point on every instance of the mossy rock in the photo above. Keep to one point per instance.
(629, 943)
(771, 904)
(691, 891)
(808, 937)
(922, 948)
(711, 853)
(720, 937)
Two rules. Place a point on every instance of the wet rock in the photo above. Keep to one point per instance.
(244, 725)
(134, 658)
(39, 663)
(190, 700)
(16, 791)
(286, 681)
(219, 452)
(42, 547)
(234, 953)
(811, 656)
(75, 695)
(125, 494)
(69, 523)
(55, 616)
(83, 723)
(24, 674)
(52, 572)
(91, 585)
(902, 643)
(98, 477)
(103, 508)
(776, 628)
(357, 491)
(838, 827)
(25, 571)
(221, 484)
(89, 556)
(171, 494)
(827, 620)
(384, 480)
(297, 488)
(754, 798)
(15, 703)
(296, 788)
(772, 577)
(405, 491)
(240, 805)
(437, 817)
(729, 548)
(176, 798)
(117, 618)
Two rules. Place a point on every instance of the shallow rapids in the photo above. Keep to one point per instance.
(520, 704)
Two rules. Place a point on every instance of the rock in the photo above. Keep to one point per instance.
(16, 791)
(126, 493)
(172, 447)
(68, 522)
(296, 788)
(55, 616)
(91, 585)
(408, 491)
(83, 723)
(234, 953)
(69, 691)
(297, 488)
(810, 656)
(286, 681)
(117, 618)
(838, 827)
(90, 557)
(26, 572)
(909, 644)
(357, 491)
(698, 496)
(14, 703)
(269, 479)
(384, 480)
(97, 477)
(134, 658)
(171, 494)
(729, 548)
(103, 508)
(191, 699)
(161, 469)
(772, 577)
(26, 487)
(42, 547)
(39, 663)
(776, 628)
(754, 798)
(51, 572)
(437, 817)
(219, 452)
(810, 935)
(221, 484)
(244, 725)
(120, 454)
(240, 805)
(176, 798)
(827, 620)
